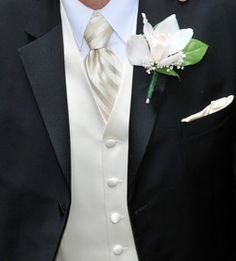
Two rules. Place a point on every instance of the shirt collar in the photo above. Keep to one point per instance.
(122, 22)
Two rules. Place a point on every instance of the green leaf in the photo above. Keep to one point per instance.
(169, 73)
(195, 51)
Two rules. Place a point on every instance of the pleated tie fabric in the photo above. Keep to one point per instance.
(102, 66)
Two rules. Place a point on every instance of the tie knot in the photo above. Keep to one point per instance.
(98, 32)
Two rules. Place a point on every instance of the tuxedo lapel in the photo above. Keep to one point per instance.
(44, 65)
(143, 116)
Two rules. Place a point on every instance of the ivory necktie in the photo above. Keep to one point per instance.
(102, 66)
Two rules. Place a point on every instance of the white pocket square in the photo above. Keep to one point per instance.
(213, 107)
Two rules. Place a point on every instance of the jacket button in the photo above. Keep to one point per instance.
(62, 208)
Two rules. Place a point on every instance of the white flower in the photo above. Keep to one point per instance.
(161, 46)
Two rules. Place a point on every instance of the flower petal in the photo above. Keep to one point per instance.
(138, 51)
(147, 30)
(157, 51)
(180, 40)
(168, 26)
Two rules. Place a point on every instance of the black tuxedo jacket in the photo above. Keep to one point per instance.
(181, 181)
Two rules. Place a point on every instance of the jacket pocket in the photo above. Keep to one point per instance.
(208, 150)
(207, 124)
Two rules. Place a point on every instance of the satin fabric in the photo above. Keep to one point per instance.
(90, 235)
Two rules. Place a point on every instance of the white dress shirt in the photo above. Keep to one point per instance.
(98, 227)
(121, 14)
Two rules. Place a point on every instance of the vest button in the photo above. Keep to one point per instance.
(110, 143)
(118, 250)
(115, 218)
(112, 182)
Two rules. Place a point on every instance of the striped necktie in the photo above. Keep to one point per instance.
(102, 66)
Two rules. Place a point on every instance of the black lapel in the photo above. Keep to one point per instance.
(143, 116)
(43, 61)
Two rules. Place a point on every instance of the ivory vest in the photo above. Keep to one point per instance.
(98, 227)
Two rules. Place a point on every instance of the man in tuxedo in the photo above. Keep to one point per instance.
(88, 170)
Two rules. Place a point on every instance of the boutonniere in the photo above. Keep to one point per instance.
(164, 49)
